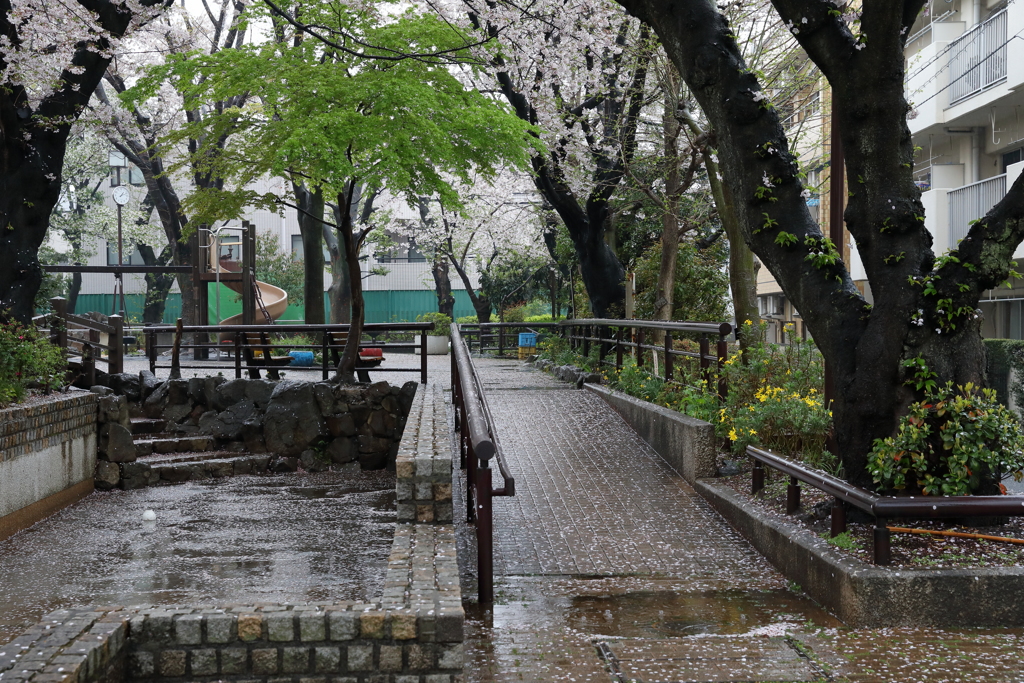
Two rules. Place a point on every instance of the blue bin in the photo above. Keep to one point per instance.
(301, 358)
(527, 339)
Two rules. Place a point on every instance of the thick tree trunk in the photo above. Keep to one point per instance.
(923, 307)
(339, 293)
(158, 285)
(74, 288)
(311, 227)
(443, 287)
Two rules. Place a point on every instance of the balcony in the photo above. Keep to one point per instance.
(977, 60)
(971, 202)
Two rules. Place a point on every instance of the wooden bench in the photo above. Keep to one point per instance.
(257, 349)
(369, 358)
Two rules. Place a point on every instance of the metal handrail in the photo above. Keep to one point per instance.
(493, 331)
(882, 508)
(478, 446)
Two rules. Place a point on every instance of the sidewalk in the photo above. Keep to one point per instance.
(609, 567)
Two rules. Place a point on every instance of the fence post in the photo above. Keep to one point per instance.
(423, 356)
(723, 355)
(89, 360)
(501, 340)
(838, 517)
(757, 478)
(324, 350)
(705, 364)
(618, 349)
(640, 347)
(115, 354)
(585, 332)
(238, 355)
(59, 332)
(151, 349)
(668, 355)
(881, 542)
(176, 352)
(484, 536)
(792, 496)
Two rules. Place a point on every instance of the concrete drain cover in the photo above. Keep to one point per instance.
(706, 659)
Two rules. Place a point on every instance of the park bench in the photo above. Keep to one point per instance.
(369, 358)
(257, 349)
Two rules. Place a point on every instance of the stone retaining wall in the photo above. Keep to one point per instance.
(47, 457)
(413, 634)
(424, 464)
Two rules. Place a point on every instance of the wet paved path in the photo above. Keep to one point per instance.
(609, 567)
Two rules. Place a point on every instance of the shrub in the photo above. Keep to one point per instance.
(515, 314)
(442, 323)
(27, 359)
(951, 443)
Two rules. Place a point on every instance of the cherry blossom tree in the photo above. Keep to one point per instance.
(52, 56)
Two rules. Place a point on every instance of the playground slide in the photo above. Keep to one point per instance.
(275, 300)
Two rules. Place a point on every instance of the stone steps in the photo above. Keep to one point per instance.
(174, 444)
(146, 425)
(188, 467)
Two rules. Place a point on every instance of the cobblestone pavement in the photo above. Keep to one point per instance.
(609, 567)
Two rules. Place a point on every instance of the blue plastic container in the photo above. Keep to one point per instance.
(527, 339)
(301, 358)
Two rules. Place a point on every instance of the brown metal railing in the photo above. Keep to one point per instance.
(241, 343)
(82, 339)
(478, 445)
(498, 337)
(882, 508)
(611, 335)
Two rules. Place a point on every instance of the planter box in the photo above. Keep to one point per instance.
(47, 458)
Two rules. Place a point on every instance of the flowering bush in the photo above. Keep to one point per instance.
(27, 359)
(951, 443)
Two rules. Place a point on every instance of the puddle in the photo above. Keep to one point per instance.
(666, 614)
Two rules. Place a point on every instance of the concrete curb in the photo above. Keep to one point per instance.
(686, 443)
(863, 595)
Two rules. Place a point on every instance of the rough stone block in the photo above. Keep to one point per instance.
(141, 664)
(405, 469)
(406, 512)
(425, 514)
(295, 660)
(188, 629)
(203, 662)
(171, 663)
(281, 627)
(421, 657)
(360, 658)
(159, 628)
(312, 626)
(442, 492)
(219, 627)
(424, 490)
(264, 662)
(343, 625)
(450, 657)
(403, 626)
(390, 657)
(107, 476)
(371, 625)
(449, 626)
(326, 659)
(233, 660)
(250, 627)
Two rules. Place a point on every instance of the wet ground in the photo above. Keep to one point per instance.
(608, 567)
(276, 538)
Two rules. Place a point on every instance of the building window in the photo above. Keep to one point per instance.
(1011, 158)
(298, 253)
(132, 257)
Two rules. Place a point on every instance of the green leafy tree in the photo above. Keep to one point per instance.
(391, 114)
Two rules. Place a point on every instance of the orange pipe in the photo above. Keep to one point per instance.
(958, 534)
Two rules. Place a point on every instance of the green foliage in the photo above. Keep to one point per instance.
(542, 318)
(515, 314)
(949, 444)
(278, 268)
(407, 125)
(442, 323)
(467, 319)
(513, 280)
(701, 282)
(844, 541)
(775, 400)
(27, 359)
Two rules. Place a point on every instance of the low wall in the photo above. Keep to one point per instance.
(413, 634)
(47, 457)
(864, 595)
(686, 443)
(424, 464)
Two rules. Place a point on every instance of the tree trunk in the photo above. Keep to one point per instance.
(311, 227)
(443, 286)
(346, 371)
(924, 308)
(158, 285)
(339, 293)
(481, 303)
(74, 288)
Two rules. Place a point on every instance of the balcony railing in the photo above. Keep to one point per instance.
(971, 202)
(978, 58)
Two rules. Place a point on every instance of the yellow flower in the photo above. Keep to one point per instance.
(732, 435)
(753, 432)
(747, 322)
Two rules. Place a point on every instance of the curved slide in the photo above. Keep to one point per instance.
(274, 298)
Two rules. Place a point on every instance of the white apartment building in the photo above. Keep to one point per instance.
(965, 80)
